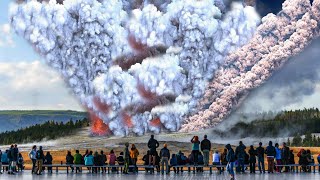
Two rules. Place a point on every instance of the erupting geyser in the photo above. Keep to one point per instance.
(140, 66)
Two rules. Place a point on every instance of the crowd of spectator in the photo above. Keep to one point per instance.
(239, 158)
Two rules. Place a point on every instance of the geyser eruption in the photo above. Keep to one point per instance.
(136, 71)
(278, 38)
(140, 66)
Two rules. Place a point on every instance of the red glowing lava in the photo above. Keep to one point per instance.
(155, 122)
(127, 120)
(98, 127)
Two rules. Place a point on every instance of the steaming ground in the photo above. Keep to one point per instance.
(175, 141)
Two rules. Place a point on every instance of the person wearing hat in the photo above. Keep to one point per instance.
(164, 156)
(126, 158)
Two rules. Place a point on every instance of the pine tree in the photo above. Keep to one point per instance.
(297, 140)
(288, 142)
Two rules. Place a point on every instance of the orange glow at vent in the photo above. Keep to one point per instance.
(155, 122)
(98, 127)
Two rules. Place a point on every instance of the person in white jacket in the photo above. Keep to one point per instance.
(216, 159)
(32, 156)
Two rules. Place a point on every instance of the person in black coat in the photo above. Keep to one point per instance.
(285, 156)
(252, 159)
(153, 144)
(103, 161)
(205, 148)
(48, 161)
(69, 160)
(260, 154)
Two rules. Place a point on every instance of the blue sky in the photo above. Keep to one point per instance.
(26, 82)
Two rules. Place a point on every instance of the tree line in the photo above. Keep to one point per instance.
(49, 130)
(286, 123)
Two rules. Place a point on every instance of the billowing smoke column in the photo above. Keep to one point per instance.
(139, 70)
(277, 39)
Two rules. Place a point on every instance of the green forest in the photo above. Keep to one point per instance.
(287, 123)
(48, 130)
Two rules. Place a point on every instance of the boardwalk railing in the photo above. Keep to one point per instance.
(188, 167)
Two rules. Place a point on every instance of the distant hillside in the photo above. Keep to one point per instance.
(286, 123)
(48, 130)
(15, 119)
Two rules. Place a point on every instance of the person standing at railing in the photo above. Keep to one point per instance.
(224, 158)
(271, 153)
(77, 160)
(112, 160)
(278, 157)
(10, 159)
(240, 154)
(48, 161)
(88, 160)
(216, 158)
(206, 148)
(260, 155)
(97, 161)
(252, 159)
(15, 154)
(69, 160)
(20, 162)
(291, 160)
(126, 158)
(230, 159)
(164, 156)
(195, 149)
(134, 153)
(39, 162)
(285, 155)
(32, 156)
(173, 163)
(103, 161)
(153, 144)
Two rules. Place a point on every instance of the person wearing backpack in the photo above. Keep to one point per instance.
(271, 152)
(230, 159)
(32, 156)
(240, 154)
(39, 161)
(20, 162)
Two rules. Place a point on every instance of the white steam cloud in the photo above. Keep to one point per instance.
(277, 39)
(84, 39)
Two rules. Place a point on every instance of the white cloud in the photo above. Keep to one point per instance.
(33, 85)
(6, 37)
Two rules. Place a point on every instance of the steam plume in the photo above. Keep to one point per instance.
(277, 39)
(87, 41)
